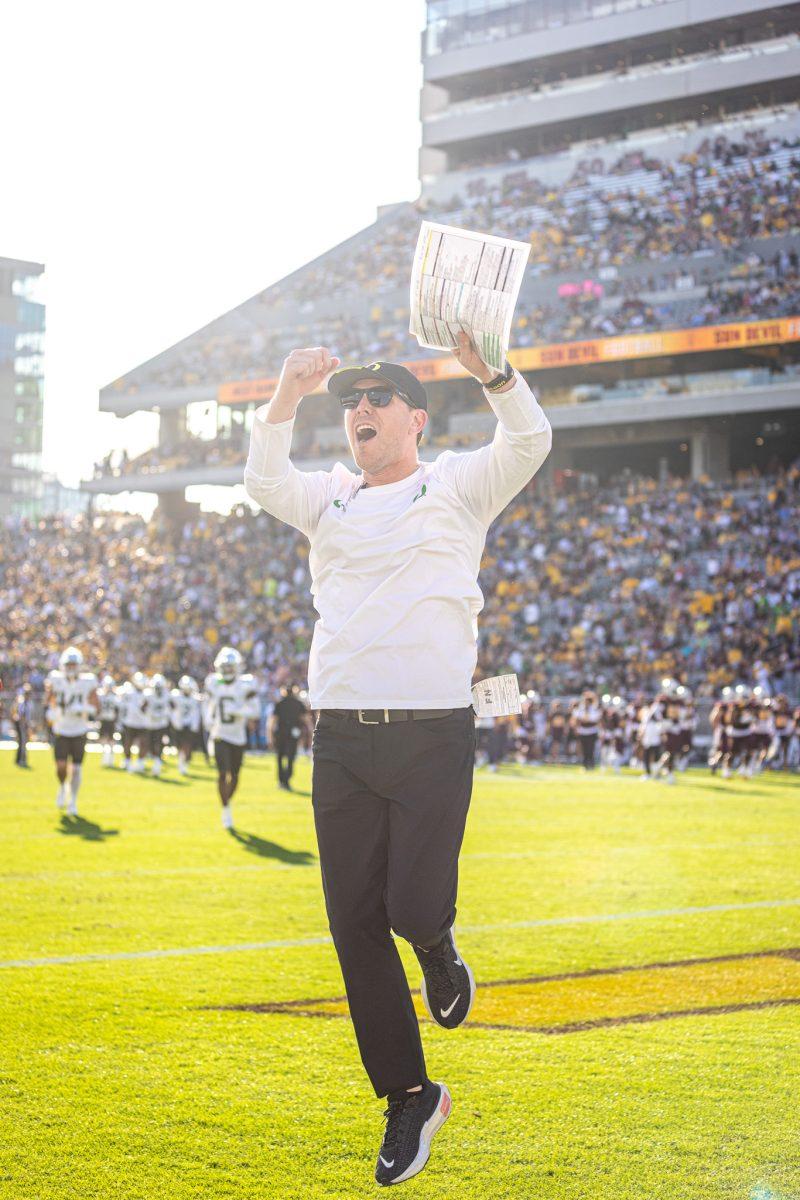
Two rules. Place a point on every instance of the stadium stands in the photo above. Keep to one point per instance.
(613, 586)
(652, 243)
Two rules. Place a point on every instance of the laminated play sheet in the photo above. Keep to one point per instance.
(465, 281)
(497, 697)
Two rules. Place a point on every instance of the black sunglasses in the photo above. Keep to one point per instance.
(378, 397)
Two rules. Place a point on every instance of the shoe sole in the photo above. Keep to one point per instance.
(432, 1126)
(472, 990)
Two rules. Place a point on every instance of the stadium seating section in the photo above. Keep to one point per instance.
(613, 586)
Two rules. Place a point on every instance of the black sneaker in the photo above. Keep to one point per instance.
(448, 985)
(411, 1122)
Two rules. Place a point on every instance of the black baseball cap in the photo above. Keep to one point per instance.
(399, 377)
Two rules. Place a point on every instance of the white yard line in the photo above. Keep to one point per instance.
(556, 850)
(290, 943)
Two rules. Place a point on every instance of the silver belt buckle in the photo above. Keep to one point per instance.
(361, 720)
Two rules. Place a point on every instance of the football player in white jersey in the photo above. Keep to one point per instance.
(133, 717)
(230, 701)
(185, 719)
(71, 703)
(157, 700)
(107, 714)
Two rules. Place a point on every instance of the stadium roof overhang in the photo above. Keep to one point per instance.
(123, 403)
(180, 478)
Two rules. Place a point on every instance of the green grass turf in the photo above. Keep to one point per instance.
(116, 1081)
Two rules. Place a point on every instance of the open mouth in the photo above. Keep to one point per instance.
(365, 433)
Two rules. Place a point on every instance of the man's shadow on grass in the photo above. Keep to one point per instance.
(264, 849)
(88, 830)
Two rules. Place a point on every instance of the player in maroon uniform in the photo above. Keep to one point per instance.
(762, 730)
(740, 720)
(785, 728)
(719, 719)
(612, 740)
(671, 731)
(557, 732)
(688, 726)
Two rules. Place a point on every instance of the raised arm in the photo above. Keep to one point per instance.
(487, 479)
(296, 497)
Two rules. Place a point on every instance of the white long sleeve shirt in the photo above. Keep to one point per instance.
(394, 568)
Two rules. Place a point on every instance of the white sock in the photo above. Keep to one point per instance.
(75, 781)
(156, 766)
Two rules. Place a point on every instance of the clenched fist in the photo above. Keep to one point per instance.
(303, 371)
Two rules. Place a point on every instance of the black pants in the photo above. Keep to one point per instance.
(21, 730)
(588, 743)
(390, 806)
(650, 756)
(155, 742)
(285, 751)
(131, 734)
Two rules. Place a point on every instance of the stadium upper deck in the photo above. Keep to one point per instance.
(509, 81)
(661, 305)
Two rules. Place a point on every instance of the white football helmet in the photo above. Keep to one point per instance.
(187, 685)
(158, 683)
(71, 662)
(139, 680)
(229, 663)
(108, 683)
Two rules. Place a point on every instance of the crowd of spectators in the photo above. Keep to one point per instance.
(608, 586)
(718, 203)
(618, 586)
(639, 208)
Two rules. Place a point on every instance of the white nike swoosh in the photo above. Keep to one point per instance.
(446, 1011)
(383, 1160)
(458, 962)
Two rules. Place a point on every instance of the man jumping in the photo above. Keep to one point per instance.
(394, 557)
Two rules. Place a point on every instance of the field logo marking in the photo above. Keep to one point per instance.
(603, 997)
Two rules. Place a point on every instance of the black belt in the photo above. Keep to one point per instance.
(384, 716)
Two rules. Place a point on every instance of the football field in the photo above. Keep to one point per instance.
(172, 1021)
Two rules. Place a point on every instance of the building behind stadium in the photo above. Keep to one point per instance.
(651, 153)
(21, 387)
